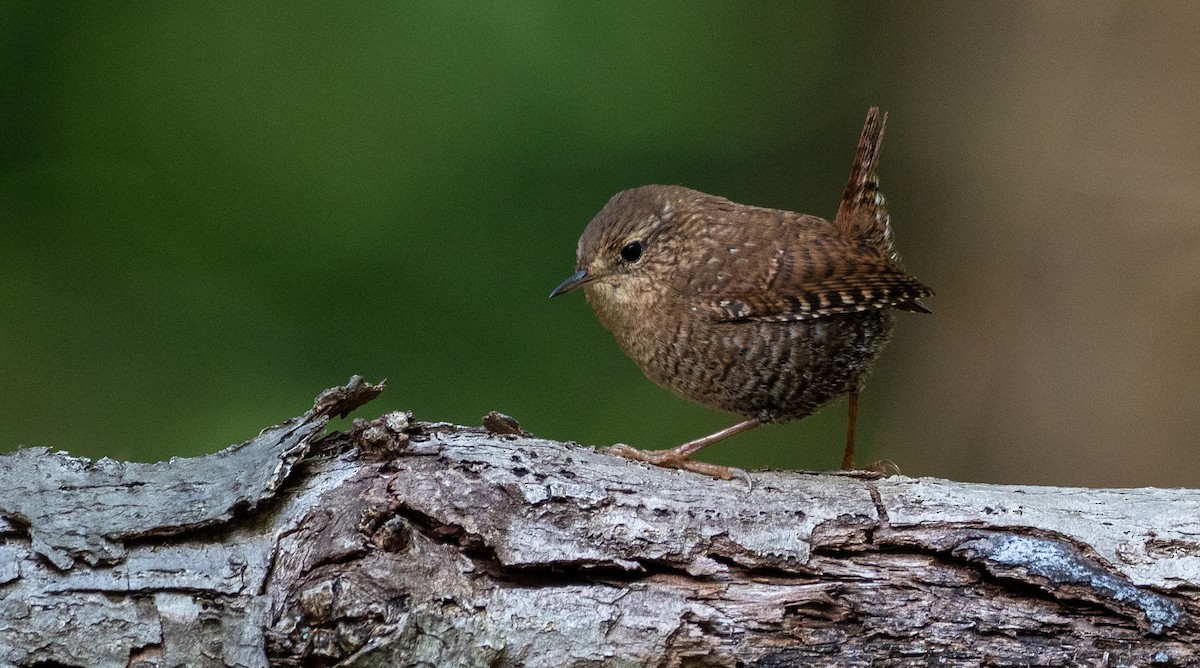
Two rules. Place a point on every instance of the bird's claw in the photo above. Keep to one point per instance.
(884, 468)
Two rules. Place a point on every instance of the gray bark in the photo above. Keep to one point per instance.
(430, 544)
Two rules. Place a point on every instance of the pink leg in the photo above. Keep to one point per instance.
(848, 455)
(677, 457)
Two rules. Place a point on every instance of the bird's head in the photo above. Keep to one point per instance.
(633, 244)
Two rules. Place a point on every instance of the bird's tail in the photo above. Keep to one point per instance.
(863, 212)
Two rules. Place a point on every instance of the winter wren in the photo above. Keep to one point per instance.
(764, 313)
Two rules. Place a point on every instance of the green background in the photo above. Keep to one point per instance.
(212, 211)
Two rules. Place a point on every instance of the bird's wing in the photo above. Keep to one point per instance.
(821, 278)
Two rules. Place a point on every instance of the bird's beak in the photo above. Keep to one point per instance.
(578, 279)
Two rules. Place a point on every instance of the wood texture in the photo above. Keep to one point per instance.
(412, 543)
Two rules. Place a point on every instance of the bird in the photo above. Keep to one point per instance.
(763, 313)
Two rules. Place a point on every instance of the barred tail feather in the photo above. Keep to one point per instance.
(863, 214)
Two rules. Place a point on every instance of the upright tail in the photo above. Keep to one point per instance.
(863, 212)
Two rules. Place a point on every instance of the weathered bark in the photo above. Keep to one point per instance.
(410, 543)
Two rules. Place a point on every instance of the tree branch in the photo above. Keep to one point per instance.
(412, 543)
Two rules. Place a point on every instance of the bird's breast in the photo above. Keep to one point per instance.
(767, 370)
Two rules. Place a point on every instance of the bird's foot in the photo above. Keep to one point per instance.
(884, 468)
(674, 459)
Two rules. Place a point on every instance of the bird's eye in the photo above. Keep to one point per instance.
(632, 252)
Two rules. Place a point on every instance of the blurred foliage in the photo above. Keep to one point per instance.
(210, 212)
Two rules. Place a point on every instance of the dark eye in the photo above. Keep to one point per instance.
(632, 252)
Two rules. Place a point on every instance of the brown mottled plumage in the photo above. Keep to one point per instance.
(764, 313)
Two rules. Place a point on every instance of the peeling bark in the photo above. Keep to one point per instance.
(413, 543)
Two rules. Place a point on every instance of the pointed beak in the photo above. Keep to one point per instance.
(578, 279)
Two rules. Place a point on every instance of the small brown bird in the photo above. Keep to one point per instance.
(764, 313)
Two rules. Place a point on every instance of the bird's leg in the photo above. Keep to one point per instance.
(677, 457)
(881, 468)
(848, 455)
